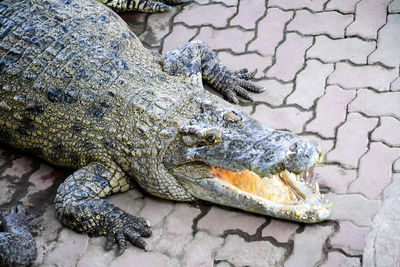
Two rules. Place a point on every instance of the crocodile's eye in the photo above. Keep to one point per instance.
(232, 117)
(212, 137)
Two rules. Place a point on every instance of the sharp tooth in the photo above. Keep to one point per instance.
(329, 205)
(317, 188)
(307, 173)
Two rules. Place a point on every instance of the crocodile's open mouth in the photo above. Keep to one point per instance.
(284, 194)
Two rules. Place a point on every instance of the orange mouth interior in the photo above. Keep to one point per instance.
(270, 188)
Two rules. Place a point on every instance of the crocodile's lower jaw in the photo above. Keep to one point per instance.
(286, 193)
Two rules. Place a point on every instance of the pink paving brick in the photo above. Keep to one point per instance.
(219, 220)
(180, 35)
(370, 16)
(376, 104)
(289, 57)
(394, 6)
(280, 230)
(331, 111)
(231, 38)
(375, 170)
(334, 177)
(20, 167)
(270, 31)
(349, 76)
(336, 259)
(389, 37)
(395, 85)
(315, 5)
(180, 220)
(155, 210)
(331, 23)
(345, 6)
(199, 252)
(384, 132)
(275, 92)
(352, 140)
(353, 207)
(250, 61)
(310, 83)
(350, 238)
(334, 50)
(288, 118)
(44, 177)
(195, 14)
(249, 12)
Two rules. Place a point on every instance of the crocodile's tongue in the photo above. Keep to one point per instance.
(282, 187)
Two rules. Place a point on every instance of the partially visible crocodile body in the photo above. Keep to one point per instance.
(78, 89)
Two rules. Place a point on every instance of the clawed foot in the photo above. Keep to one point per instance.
(17, 218)
(237, 84)
(127, 227)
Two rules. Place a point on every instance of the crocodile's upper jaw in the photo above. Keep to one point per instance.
(283, 195)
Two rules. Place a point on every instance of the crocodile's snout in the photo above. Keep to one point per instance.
(302, 155)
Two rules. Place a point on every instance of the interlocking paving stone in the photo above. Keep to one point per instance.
(394, 6)
(180, 35)
(310, 83)
(315, 5)
(180, 220)
(20, 167)
(195, 14)
(370, 16)
(270, 31)
(352, 140)
(396, 165)
(275, 92)
(139, 258)
(383, 243)
(394, 186)
(374, 76)
(249, 61)
(157, 28)
(155, 210)
(70, 246)
(219, 220)
(249, 12)
(375, 170)
(289, 57)
(331, 111)
(345, 6)
(376, 104)
(331, 50)
(350, 238)
(331, 23)
(338, 259)
(6, 191)
(389, 37)
(385, 131)
(354, 207)
(395, 86)
(238, 252)
(334, 177)
(290, 118)
(231, 38)
(280, 230)
(307, 245)
(199, 252)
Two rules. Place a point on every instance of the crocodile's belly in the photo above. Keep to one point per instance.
(67, 75)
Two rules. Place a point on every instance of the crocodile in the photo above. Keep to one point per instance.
(79, 90)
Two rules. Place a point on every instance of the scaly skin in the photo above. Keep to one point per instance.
(78, 89)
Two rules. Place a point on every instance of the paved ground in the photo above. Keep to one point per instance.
(332, 72)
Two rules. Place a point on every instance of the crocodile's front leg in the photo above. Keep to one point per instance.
(79, 207)
(196, 61)
(17, 245)
(148, 6)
